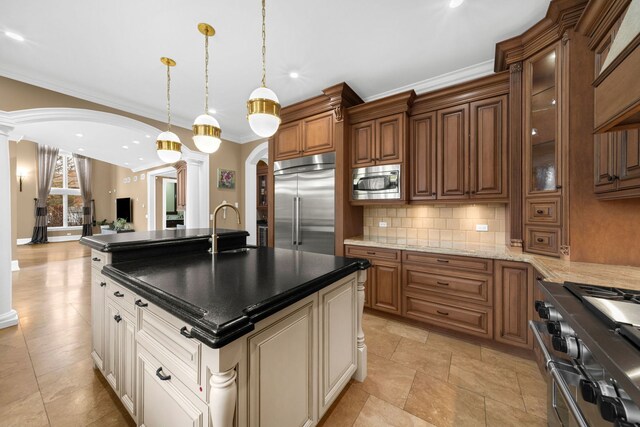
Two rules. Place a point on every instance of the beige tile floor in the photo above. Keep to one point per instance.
(416, 377)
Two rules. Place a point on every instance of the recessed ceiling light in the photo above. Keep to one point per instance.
(140, 158)
(147, 136)
(135, 141)
(79, 135)
(14, 36)
(125, 147)
(455, 3)
(294, 75)
(212, 110)
(80, 149)
(126, 163)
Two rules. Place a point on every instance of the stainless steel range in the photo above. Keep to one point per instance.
(588, 342)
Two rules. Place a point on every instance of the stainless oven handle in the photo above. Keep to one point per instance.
(566, 394)
(536, 335)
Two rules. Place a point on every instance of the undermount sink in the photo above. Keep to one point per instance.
(237, 250)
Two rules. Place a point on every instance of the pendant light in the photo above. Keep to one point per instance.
(168, 144)
(263, 109)
(206, 130)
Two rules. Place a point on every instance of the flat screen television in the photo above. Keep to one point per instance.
(124, 208)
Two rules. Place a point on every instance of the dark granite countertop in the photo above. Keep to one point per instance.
(223, 296)
(147, 239)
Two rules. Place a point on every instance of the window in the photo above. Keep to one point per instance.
(64, 204)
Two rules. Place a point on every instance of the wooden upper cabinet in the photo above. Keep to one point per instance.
(604, 162)
(422, 146)
(514, 303)
(288, 141)
(488, 148)
(389, 139)
(629, 160)
(453, 142)
(362, 144)
(181, 185)
(317, 134)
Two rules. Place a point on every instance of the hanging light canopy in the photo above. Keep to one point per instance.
(206, 130)
(168, 144)
(263, 109)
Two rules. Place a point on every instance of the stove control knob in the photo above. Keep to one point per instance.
(568, 345)
(622, 423)
(539, 304)
(589, 390)
(560, 329)
(611, 408)
(553, 328)
(549, 313)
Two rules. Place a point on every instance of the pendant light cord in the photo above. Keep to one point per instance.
(169, 97)
(264, 46)
(206, 73)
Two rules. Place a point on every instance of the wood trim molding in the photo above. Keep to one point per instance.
(400, 103)
(484, 87)
(561, 16)
(339, 95)
(598, 18)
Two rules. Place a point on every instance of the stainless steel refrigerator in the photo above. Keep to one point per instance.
(305, 203)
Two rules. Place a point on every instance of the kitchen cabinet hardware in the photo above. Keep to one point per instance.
(539, 211)
(370, 253)
(539, 240)
(117, 318)
(443, 283)
(139, 303)
(96, 259)
(443, 260)
(103, 284)
(444, 313)
(161, 375)
(185, 333)
(558, 187)
(118, 294)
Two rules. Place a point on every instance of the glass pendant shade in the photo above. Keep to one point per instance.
(206, 134)
(263, 112)
(169, 147)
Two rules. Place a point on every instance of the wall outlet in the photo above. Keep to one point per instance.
(210, 217)
(382, 224)
(482, 227)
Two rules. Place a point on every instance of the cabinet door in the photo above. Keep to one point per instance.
(98, 286)
(514, 303)
(385, 286)
(288, 141)
(282, 369)
(338, 338)
(317, 134)
(127, 354)
(604, 162)
(629, 159)
(389, 139)
(362, 144)
(112, 344)
(422, 141)
(181, 186)
(165, 402)
(453, 140)
(488, 148)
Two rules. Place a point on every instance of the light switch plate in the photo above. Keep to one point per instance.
(482, 227)
(382, 224)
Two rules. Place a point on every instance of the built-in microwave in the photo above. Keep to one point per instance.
(377, 183)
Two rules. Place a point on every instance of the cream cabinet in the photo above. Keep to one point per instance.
(98, 285)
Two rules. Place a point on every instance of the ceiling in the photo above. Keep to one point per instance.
(108, 51)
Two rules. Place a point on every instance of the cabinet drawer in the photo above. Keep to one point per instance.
(369, 252)
(475, 288)
(476, 320)
(543, 241)
(543, 211)
(479, 265)
(161, 332)
(98, 259)
(121, 295)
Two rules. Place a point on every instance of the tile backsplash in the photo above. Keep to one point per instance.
(437, 223)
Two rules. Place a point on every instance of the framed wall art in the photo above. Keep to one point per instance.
(226, 179)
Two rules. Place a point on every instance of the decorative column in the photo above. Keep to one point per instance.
(515, 160)
(8, 316)
(224, 391)
(361, 355)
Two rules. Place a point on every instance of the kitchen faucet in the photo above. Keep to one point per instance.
(214, 236)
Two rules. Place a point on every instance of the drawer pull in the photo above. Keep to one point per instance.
(162, 376)
(185, 333)
(539, 211)
(539, 240)
(103, 284)
(443, 260)
(443, 283)
(444, 313)
(118, 294)
(117, 318)
(139, 303)
(370, 253)
(96, 259)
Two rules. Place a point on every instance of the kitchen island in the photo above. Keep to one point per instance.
(257, 337)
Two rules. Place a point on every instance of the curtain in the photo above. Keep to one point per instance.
(83, 168)
(46, 166)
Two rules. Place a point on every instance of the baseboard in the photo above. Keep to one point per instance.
(23, 241)
(52, 239)
(8, 319)
(15, 266)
